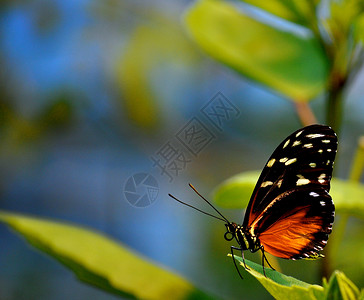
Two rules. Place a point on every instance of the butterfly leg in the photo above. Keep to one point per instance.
(265, 258)
(261, 248)
(232, 256)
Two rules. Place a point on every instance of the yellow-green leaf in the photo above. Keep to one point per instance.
(359, 28)
(149, 49)
(340, 287)
(100, 261)
(235, 192)
(348, 197)
(285, 287)
(293, 65)
(281, 286)
(297, 11)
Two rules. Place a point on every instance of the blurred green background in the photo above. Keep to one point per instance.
(89, 92)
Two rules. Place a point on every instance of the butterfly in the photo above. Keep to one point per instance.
(290, 213)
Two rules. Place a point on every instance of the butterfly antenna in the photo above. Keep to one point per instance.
(206, 213)
(192, 187)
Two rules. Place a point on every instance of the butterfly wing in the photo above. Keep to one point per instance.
(290, 210)
(297, 224)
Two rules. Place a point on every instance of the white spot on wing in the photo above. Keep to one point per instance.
(313, 194)
(290, 161)
(322, 203)
(284, 159)
(312, 165)
(307, 145)
(302, 181)
(320, 151)
(279, 183)
(286, 144)
(321, 178)
(326, 141)
(329, 150)
(271, 162)
(296, 143)
(266, 183)
(314, 135)
(298, 133)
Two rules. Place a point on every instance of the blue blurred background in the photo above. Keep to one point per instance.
(89, 92)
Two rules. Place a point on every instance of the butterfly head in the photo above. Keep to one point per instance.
(230, 233)
(243, 237)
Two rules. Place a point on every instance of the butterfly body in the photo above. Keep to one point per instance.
(243, 237)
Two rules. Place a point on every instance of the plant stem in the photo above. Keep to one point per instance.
(305, 113)
(335, 100)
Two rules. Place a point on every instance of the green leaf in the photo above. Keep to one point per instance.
(297, 11)
(359, 28)
(343, 15)
(152, 47)
(361, 296)
(100, 261)
(132, 71)
(348, 197)
(290, 64)
(235, 192)
(340, 287)
(281, 286)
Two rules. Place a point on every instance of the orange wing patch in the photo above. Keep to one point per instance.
(296, 236)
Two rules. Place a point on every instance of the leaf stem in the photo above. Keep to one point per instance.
(305, 113)
(335, 100)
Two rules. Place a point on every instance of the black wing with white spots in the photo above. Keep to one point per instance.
(290, 210)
